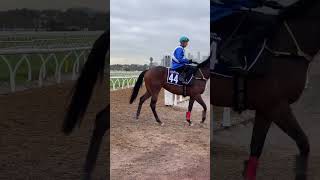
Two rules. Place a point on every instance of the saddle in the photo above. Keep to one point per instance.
(241, 48)
(180, 78)
(243, 44)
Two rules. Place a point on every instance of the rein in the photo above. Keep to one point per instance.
(202, 76)
(299, 53)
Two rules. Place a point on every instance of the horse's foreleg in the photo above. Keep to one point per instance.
(188, 114)
(142, 100)
(204, 106)
(289, 124)
(259, 133)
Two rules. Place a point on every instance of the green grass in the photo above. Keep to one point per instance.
(35, 61)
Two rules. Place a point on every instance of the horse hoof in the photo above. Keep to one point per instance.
(190, 123)
(161, 123)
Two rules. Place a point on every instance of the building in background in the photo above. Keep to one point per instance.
(166, 61)
(190, 56)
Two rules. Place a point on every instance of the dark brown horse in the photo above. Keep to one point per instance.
(155, 79)
(271, 95)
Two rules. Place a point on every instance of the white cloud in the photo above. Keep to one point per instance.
(145, 28)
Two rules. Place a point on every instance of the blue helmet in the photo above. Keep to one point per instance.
(184, 39)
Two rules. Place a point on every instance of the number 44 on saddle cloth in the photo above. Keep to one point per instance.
(173, 78)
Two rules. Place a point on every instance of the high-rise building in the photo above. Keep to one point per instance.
(189, 56)
(166, 61)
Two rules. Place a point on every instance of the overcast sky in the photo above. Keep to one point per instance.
(53, 4)
(141, 29)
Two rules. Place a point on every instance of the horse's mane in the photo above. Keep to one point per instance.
(204, 63)
(297, 9)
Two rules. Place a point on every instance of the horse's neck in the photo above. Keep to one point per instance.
(205, 70)
(303, 22)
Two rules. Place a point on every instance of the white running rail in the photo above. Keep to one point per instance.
(78, 54)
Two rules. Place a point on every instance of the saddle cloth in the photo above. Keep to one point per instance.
(174, 78)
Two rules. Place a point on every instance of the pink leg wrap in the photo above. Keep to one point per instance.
(188, 115)
(251, 168)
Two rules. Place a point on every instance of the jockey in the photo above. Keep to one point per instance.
(180, 63)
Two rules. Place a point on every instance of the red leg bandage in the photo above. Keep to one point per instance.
(251, 168)
(188, 115)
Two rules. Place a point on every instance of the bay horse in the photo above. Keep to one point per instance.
(156, 78)
(292, 48)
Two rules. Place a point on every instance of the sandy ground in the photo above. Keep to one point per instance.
(32, 145)
(141, 149)
(231, 147)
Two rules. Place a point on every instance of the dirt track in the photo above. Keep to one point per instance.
(141, 149)
(32, 145)
(231, 147)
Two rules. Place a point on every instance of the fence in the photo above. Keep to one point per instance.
(61, 57)
(122, 82)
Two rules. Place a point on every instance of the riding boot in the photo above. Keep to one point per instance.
(182, 78)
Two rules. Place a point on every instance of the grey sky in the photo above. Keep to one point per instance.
(141, 29)
(53, 4)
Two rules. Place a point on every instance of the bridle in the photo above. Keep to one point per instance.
(203, 78)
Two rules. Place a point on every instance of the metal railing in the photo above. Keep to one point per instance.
(44, 56)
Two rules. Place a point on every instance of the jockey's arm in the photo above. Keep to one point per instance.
(179, 55)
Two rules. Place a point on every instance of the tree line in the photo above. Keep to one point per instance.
(53, 20)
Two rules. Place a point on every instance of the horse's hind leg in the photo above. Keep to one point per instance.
(143, 98)
(102, 124)
(204, 106)
(289, 124)
(259, 133)
(153, 104)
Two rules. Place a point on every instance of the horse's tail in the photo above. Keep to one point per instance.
(82, 91)
(137, 86)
